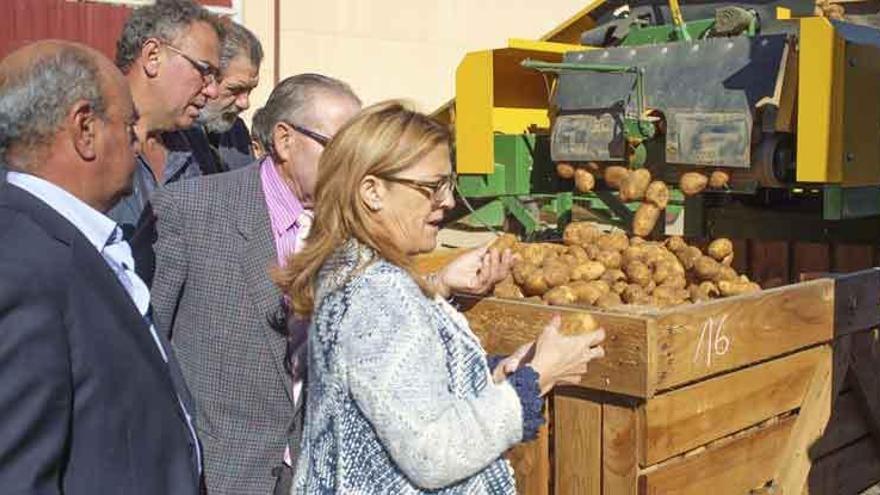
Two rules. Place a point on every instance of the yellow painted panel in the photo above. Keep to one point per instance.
(518, 120)
(474, 141)
(544, 46)
(516, 86)
(783, 14)
(820, 102)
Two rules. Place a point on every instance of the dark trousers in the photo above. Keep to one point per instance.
(283, 479)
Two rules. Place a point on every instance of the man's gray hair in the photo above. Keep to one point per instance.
(239, 40)
(291, 101)
(35, 100)
(165, 20)
(259, 131)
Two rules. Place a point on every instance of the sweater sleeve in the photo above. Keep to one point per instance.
(525, 382)
(397, 373)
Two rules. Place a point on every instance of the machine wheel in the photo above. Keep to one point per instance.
(774, 160)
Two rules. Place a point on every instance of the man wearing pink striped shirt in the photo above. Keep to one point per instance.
(218, 238)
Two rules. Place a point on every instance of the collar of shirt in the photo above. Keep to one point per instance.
(93, 224)
(179, 160)
(285, 208)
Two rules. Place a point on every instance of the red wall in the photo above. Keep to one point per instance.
(95, 24)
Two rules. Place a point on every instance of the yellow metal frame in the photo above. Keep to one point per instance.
(494, 94)
(474, 142)
(820, 102)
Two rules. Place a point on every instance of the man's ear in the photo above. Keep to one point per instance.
(372, 191)
(83, 129)
(151, 57)
(283, 142)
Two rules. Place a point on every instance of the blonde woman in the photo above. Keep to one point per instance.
(400, 395)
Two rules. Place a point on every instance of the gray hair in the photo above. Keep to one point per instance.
(291, 101)
(239, 40)
(165, 20)
(35, 100)
(259, 132)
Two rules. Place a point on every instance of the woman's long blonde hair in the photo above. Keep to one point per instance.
(381, 140)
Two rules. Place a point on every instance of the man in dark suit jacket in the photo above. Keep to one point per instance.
(91, 401)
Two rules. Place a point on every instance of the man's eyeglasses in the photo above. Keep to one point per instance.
(436, 191)
(315, 136)
(208, 72)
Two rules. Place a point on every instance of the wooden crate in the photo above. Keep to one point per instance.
(772, 392)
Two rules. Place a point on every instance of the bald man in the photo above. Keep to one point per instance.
(91, 399)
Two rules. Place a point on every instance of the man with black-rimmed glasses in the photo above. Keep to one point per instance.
(170, 54)
(218, 238)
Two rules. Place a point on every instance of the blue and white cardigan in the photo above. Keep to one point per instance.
(400, 398)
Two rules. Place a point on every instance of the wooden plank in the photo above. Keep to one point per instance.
(681, 420)
(785, 114)
(531, 462)
(793, 465)
(847, 471)
(577, 446)
(504, 325)
(740, 255)
(865, 372)
(620, 450)
(769, 263)
(705, 339)
(852, 257)
(857, 301)
(733, 467)
(810, 258)
(847, 424)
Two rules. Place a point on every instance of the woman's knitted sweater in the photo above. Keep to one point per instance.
(400, 399)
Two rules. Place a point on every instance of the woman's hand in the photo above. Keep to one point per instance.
(563, 358)
(474, 272)
(512, 362)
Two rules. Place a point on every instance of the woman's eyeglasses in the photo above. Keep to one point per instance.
(209, 73)
(436, 191)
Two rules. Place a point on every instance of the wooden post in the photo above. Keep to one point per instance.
(577, 440)
(795, 462)
(531, 461)
(620, 450)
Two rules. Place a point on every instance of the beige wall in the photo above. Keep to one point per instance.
(394, 48)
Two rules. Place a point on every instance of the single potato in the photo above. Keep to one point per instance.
(692, 183)
(565, 170)
(587, 271)
(634, 185)
(719, 179)
(645, 219)
(657, 194)
(584, 181)
(614, 176)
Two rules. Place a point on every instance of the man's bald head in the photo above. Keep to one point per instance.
(66, 115)
(39, 84)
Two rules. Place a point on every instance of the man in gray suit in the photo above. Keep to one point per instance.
(218, 238)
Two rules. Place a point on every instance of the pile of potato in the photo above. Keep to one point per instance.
(595, 268)
(636, 185)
